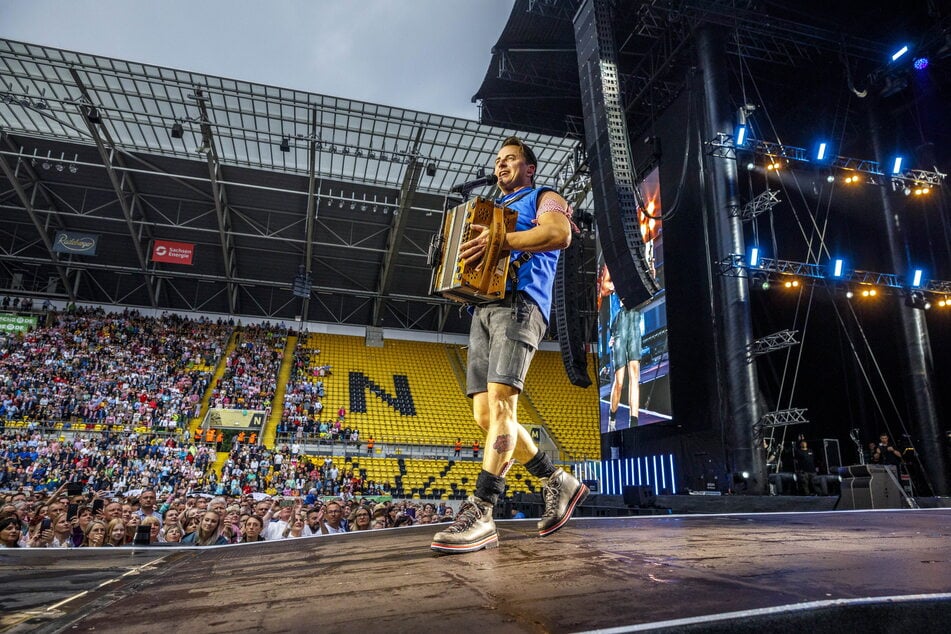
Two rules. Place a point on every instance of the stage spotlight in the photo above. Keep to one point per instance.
(921, 63)
(430, 169)
(59, 167)
(751, 166)
(177, 130)
(916, 278)
(869, 292)
(943, 302)
(906, 191)
(838, 267)
(917, 299)
(925, 190)
(45, 165)
(285, 145)
(849, 294)
(821, 152)
(791, 284)
(896, 166)
(830, 178)
(899, 53)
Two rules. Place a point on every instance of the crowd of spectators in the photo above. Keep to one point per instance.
(116, 369)
(108, 462)
(251, 369)
(74, 519)
(304, 417)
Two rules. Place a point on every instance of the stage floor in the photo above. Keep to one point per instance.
(596, 573)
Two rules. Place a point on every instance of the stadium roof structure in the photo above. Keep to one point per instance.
(261, 180)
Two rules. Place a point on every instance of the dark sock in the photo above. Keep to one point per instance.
(489, 487)
(540, 465)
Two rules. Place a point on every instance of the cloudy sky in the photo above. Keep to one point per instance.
(428, 55)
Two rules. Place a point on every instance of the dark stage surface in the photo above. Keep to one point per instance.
(596, 573)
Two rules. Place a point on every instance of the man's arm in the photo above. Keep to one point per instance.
(552, 231)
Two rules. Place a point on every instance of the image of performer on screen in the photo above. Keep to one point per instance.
(625, 345)
(503, 338)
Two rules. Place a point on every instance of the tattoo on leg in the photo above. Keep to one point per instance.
(503, 443)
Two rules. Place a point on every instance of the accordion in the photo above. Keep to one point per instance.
(452, 277)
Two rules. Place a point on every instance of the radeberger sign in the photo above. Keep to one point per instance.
(76, 243)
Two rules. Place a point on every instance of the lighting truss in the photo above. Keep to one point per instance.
(723, 145)
(781, 418)
(771, 343)
(759, 204)
(735, 265)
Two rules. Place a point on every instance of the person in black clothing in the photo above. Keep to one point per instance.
(885, 452)
(805, 468)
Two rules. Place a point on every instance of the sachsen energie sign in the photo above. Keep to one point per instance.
(17, 323)
(172, 252)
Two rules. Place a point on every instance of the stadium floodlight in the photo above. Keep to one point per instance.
(285, 145)
(899, 53)
(177, 130)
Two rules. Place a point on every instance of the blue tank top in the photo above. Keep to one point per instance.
(537, 275)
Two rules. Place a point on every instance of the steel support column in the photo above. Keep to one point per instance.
(740, 401)
(914, 343)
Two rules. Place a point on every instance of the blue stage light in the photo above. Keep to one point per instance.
(896, 167)
(754, 256)
(741, 135)
(916, 278)
(821, 152)
(838, 267)
(899, 53)
(921, 63)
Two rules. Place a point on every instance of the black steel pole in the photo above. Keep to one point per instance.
(913, 341)
(740, 407)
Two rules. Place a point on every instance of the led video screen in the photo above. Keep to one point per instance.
(633, 362)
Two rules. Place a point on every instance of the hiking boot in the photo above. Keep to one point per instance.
(562, 492)
(472, 530)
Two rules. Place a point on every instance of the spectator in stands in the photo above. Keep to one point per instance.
(208, 533)
(115, 533)
(360, 519)
(154, 527)
(502, 340)
(171, 533)
(62, 531)
(95, 534)
(147, 506)
(252, 530)
(331, 519)
(10, 532)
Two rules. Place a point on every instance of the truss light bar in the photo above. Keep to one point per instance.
(896, 166)
(899, 53)
(754, 256)
(916, 278)
(837, 267)
(821, 152)
(741, 135)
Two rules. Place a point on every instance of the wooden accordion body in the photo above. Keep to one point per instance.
(461, 282)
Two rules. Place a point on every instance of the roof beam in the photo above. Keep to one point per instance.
(222, 211)
(311, 207)
(28, 206)
(118, 184)
(414, 169)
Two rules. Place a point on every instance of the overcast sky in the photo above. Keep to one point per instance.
(428, 55)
